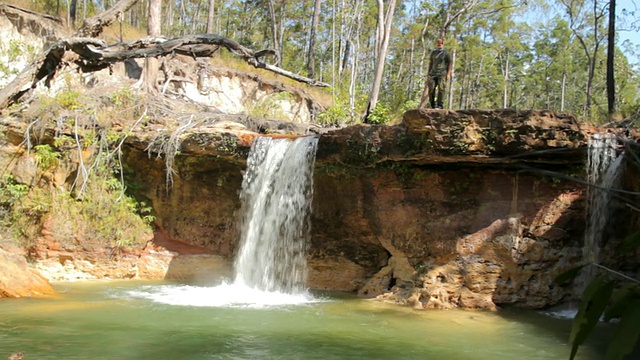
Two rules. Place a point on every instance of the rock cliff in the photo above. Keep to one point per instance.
(447, 209)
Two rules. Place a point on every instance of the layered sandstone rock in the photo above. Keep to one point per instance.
(17, 280)
(472, 209)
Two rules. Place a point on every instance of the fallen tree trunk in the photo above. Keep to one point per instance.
(91, 54)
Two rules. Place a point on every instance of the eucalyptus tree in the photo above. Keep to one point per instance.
(403, 79)
(383, 33)
(627, 86)
(551, 63)
(443, 16)
(513, 43)
(311, 64)
(611, 49)
(151, 64)
(586, 19)
(211, 16)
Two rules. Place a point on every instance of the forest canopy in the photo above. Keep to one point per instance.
(506, 54)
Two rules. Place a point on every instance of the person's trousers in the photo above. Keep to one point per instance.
(434, 86)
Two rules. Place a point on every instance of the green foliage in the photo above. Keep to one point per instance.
(123, 97)
(46, 156)
(602, 300)
(104, 214)
(96, 210)
(10, 191)
(15, 50)
(594, 302)
(335, 114)
(631, 242)
(20, 208)
(69, 99)
(568, 275)
(379, 115)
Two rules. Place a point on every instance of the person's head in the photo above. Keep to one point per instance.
(439, 43)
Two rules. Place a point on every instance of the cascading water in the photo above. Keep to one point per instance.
(276, 203)
(603, 169)
(270, 268)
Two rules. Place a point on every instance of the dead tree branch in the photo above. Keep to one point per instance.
(91, 54)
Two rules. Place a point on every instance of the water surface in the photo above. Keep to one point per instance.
(136, 320)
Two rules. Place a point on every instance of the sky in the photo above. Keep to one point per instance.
(627, 12)
(633, 36)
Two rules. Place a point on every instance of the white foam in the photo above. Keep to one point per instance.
(562, 313)
(224, 295)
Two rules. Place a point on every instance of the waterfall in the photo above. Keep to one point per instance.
(270, 267)
(276, 203)
(603, 169)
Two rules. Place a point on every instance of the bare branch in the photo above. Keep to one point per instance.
(93, 54)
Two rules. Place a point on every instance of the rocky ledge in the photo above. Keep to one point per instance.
(446, 209)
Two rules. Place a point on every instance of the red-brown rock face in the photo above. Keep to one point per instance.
(441, 237)
(449, 209)
(18, 281)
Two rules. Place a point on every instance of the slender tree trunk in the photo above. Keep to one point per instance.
(333, 51)
(72, 12)
(210, 16)
(564, 86)
(506, 81)
(281, 22)
(611, 48)
(168, 19)
(274, 26)
(311, 61)
(183, 17)
(151, 65)
(382, 44)
(352, 83)
(410, 80)
(196, 15)
(347, 55)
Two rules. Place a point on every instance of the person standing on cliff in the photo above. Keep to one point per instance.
(438, 75)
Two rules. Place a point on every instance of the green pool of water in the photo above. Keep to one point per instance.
(110, 320)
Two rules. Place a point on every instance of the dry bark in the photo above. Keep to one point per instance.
(91, 54)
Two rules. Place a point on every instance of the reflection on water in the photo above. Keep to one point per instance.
(130, 320)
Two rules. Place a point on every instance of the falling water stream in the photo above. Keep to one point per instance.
(276, 203)
(603, 170)
(270, 267)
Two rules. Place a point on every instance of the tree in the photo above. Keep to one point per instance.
(311, 64)
(585, 20)
(210, 16)
(277, 27)
(383, 33)
(611, 50)
(151, 65)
